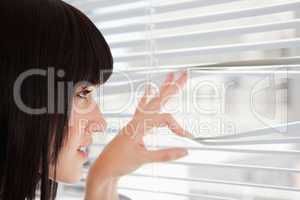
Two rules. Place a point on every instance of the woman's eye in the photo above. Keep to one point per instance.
(83, 94)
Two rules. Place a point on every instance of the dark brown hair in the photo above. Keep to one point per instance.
(41, 34)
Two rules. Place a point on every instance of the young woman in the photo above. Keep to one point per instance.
(52, 58)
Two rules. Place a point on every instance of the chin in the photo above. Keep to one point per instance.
(70, 180)
(70, 176)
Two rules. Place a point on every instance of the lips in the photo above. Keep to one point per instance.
(83, 149)
(83, 152)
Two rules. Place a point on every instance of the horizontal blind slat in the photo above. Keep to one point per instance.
(274, 63)
(295, 140)
(227, 32)
(141, 10)
(276, 44)
(208, 197)
(231, 150)
(237, 166)
(233, 183)
(89, 5)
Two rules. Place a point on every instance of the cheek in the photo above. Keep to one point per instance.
(73, 138)
(69, 167)
(77, 125)
(69, 164)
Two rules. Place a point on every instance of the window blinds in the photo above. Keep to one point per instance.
(244, 38)
(195, 30)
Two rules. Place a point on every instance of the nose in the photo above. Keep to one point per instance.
(96, 121)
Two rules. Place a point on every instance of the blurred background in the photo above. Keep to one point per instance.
(243, 58)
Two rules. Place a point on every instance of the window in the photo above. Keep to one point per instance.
(229, 46)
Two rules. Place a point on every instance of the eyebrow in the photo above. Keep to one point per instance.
(85, 87)
(88, 88)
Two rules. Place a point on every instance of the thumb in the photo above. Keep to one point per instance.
(165, 155)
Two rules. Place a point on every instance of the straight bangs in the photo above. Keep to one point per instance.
(90, 57)
(83, 56)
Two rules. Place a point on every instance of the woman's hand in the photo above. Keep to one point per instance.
(126, 152)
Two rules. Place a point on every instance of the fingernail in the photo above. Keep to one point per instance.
(183, 71)
(170, 75)
(184, 153)
(188, 135)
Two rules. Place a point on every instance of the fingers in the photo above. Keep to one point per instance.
(169, 79)
(160, 120)
(148, 114)
(181, 81)
(178, 84)
(168, 82)
(143, 101)
(167, 119)
(171, 88)
(168, 89)
(165, 155)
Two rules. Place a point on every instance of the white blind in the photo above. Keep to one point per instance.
(246, 42)
(192, 32)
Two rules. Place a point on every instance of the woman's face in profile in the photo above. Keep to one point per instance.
(85, 118)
